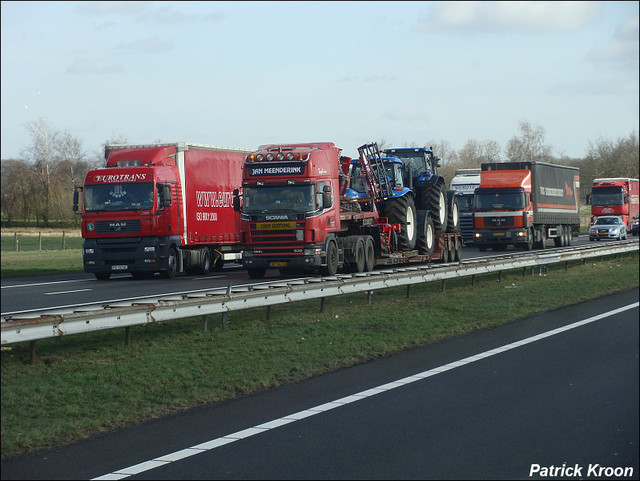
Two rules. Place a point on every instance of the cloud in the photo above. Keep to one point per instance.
(622, 50)
(525, 17)
(84, 66)
(147, 46)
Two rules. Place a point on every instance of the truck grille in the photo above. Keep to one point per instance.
(277, 242)
(498, 221)
(117, 227)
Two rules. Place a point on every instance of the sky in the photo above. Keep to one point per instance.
(243, 74)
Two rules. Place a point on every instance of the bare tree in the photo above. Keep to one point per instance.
(529, 146)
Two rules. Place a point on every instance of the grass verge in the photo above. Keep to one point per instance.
(81, 385)
(36, 263)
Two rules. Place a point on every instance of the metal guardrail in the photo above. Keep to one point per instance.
(64, 322)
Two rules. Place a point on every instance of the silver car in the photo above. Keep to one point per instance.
(608, 227)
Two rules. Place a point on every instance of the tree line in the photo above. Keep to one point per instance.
(38, 187)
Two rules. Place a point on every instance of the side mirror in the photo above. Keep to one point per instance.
(327, 200)
(236, 200)
(75, 201)
(166, 195)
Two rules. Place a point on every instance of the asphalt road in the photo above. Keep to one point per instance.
(558, 389)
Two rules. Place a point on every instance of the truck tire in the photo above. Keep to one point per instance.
(103, 276)
(205, 261)
(559, 240)
(359, 254)
(402, 210)
(437, 204)
(332, 260)
(529, 245)
(458, 250)
(425, 244)
(257, 273)
(172, 264)
(453, 212)
(445, 255)
(369, 254)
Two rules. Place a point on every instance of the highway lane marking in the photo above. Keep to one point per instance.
(65, 292)
(276, 423)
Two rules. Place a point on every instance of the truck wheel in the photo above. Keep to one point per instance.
(402, 210)
(445, 255)
(458, 251)
(103, 276)
(369, 254)
(205, 261)
(172, 265)
(529, 245)
(427, 243)
(569, 235)
(332, 260)
(257, 273)
(359, 255)
(559, 240)
(453, 212)
(437, 204)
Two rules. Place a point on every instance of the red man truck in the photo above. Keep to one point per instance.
(614, 196)
(163, 208)
(525, 203)
(298, 213)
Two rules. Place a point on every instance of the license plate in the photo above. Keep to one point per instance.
(498, 234)
(119, 267)
(277, 264)
(275, 225)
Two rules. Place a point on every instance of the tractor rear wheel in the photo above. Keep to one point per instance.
(402, 210)
(425, 244)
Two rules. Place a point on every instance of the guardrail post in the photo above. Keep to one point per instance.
(204, 323)
(408, 291)
(32, 352)
(39, 241)
(524, 272)
(322, 304)
(64, 241)
(443, 285)
(225, 314)
(499, 276)
(268, 313)
(369, 297)
(566, 265)
(473, 280)
(15, 241)
(127, 336)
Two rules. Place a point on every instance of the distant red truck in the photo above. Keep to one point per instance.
(163, 208)
(614, 196)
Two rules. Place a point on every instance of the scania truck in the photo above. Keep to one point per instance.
(464, 184)
(163, 208)
(298, 213)
(525, 203)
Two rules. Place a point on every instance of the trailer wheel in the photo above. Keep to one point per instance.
(458, 251)
(559, 240)
(103, 276)
(437, 204)
(332, 260)
(205, 261)
(172, 264)
(445, 255)
(402, 210)
(369, 254)
(569, 235)
(427, 243)
(257, 273)
(453, 212)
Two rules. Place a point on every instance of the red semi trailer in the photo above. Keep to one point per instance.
(163, 208)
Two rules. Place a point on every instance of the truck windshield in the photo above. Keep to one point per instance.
(602, 196)
(110, 197)
(297, 199)
(497, 200)
(465, 202)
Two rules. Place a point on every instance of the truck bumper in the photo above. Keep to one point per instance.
(488, 238)
(312, 259)
(125, 254)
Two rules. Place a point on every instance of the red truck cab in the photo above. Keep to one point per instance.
(614, 196)
(290, 206)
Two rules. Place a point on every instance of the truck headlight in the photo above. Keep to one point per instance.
(149, 249)
(299, 235)
(88, 251)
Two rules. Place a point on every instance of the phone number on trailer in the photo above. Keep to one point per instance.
(207, 216)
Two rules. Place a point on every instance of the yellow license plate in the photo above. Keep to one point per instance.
(498, 234)
(277, 264)
(275, 225)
